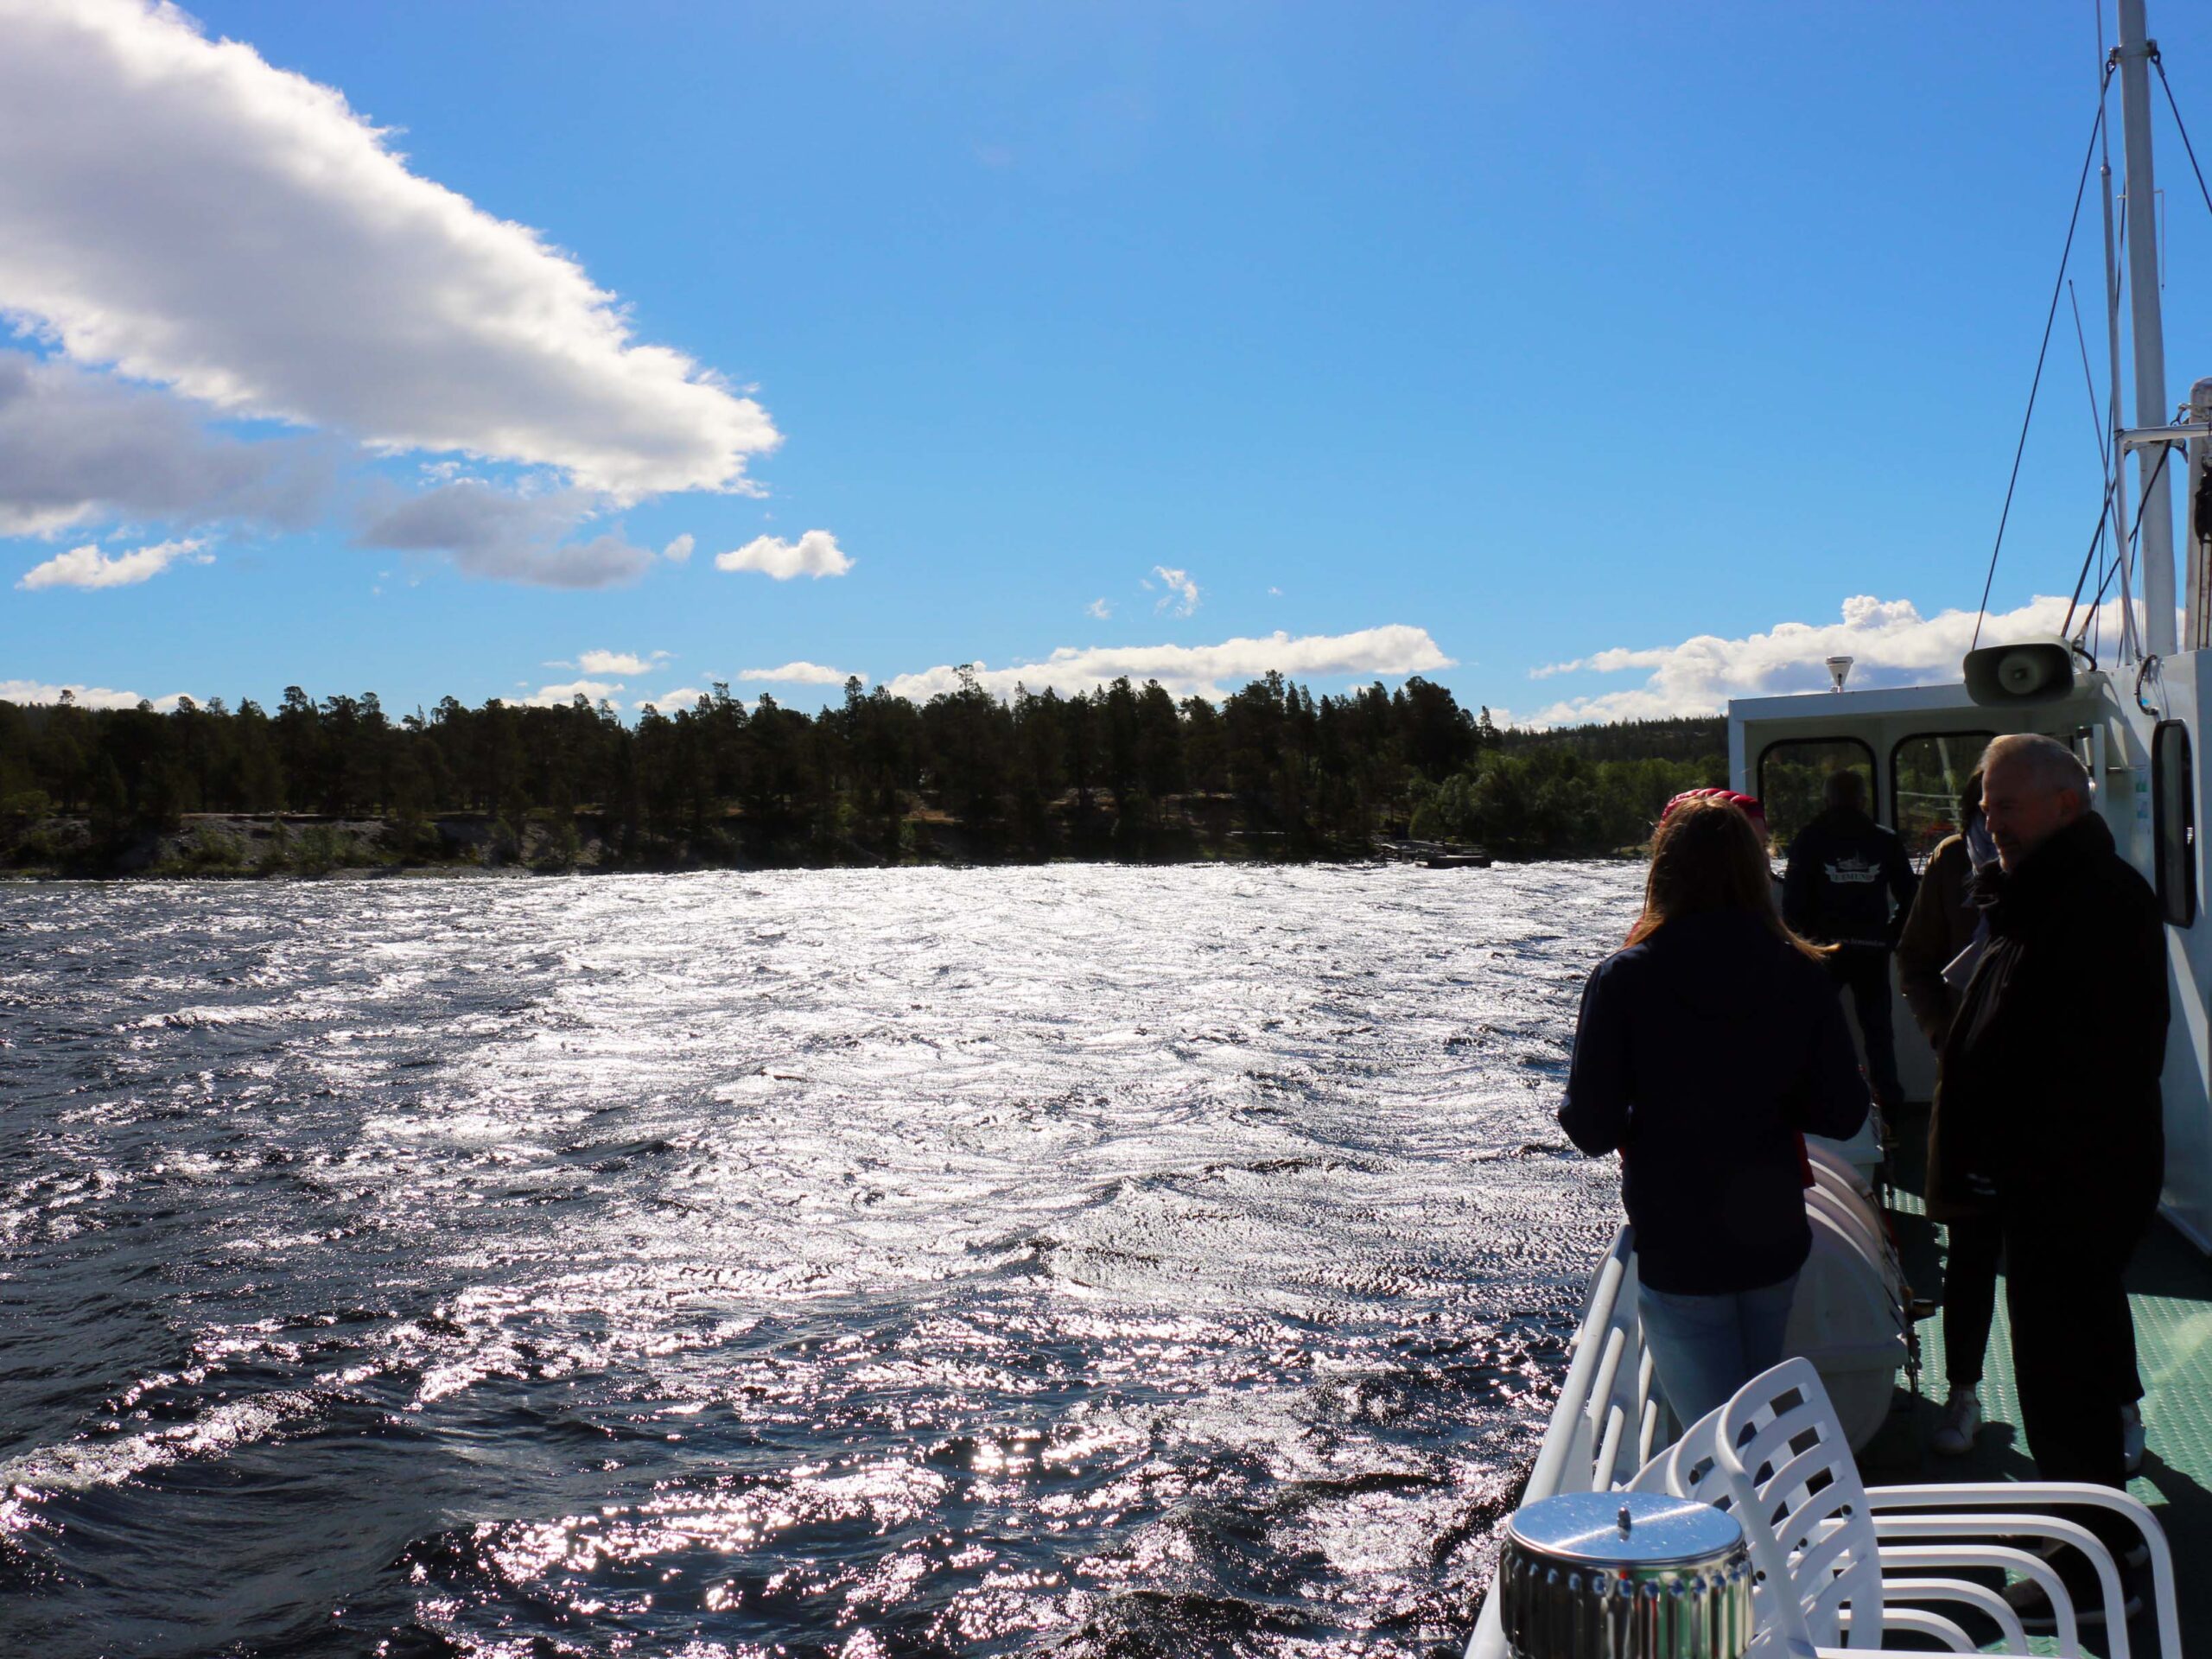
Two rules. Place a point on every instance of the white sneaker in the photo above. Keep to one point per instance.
(1954, 1436)
(2131, 1434)
(2027, 1599)
(2135, 1555)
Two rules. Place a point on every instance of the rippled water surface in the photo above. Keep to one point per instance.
(1081, 1260)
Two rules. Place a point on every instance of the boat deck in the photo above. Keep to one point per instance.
(2170, 1286)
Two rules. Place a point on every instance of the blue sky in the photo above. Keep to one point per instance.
(1505, 334)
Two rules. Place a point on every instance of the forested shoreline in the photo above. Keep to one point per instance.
(1125, 772)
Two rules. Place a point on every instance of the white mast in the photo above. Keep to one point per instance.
(2149, 331)
(2116, 496)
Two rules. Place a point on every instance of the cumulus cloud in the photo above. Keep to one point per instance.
(1892, 643)
(87, 567)
(799, 674)
(85, 696)
(489, 531)
(815, 554)
(1200, 670)
(1100, 609)
(182, 210)
(615, 662)
(1182, 596)
(684, 696)
(679, 550)
(74, 446)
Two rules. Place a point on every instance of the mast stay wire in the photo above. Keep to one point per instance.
(2164, 449)
(2104, 462)
(2020, 449)
(2189, 507)
(2180, 126)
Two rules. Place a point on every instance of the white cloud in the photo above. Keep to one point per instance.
(513, 536)
(87, 567)
(679, 550)
(554, 696)
(815, 554)
(1892, 643)
(684, 696)
(86, 696)
(179, 208)
(1100, 609)
(73, 446)
(615, 662)
(799, 674)
(1201, 671)
(1182, 596)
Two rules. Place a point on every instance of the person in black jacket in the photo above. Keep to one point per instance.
(1705, 1048)
(1845, 870)
(1944, 936)
(2051, 1113)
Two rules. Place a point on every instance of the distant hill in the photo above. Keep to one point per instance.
(1685, 738)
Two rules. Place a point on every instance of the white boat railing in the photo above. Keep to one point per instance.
(1607, 1421)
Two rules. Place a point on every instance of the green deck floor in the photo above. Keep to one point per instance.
(2171, 1286)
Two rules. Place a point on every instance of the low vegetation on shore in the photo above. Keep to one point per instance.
(1272, 773)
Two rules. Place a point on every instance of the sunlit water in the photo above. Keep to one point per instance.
(1082, 1260)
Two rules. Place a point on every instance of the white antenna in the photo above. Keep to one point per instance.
(1840, 670)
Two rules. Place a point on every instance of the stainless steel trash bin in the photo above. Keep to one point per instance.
(1624, 1575)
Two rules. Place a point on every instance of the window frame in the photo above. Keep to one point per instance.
(2179, 910)
(1873, 765)
(1897, 748)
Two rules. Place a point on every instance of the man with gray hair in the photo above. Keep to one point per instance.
(2051, 1120)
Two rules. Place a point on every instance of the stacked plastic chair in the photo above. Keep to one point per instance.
(1842, 1565)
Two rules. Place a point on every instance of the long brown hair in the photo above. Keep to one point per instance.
(1706, 856)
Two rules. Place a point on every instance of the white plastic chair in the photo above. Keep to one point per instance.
(1846, 1572)
(1835, 1567)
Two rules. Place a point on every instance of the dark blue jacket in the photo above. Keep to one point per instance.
(1701, 1055)
(1844, 871)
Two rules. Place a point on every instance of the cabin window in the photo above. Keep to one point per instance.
(1927, 773)
(1793, 773)
(2173, 792)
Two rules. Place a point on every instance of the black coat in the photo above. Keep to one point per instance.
(2050, 1071)
(1844, 872)
(1700, 1056)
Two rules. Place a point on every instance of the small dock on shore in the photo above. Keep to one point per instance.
(1433, 854)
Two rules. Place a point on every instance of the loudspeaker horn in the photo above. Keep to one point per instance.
(2032, 670)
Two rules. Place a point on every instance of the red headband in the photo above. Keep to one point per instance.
(1743, 803)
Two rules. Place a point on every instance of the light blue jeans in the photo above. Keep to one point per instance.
(1705, 1348)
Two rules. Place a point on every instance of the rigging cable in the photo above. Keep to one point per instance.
(2089, 380)
(2163, 451)
(2193, 509)
(2058, 288)
(2104, 462)
(2180, 126)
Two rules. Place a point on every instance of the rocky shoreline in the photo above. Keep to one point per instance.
(277, 846)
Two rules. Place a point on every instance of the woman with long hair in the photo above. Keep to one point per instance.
(1705, 1048)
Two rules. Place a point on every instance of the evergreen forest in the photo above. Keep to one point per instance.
(1122, 772)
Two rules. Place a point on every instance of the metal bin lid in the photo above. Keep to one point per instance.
(1635, 1530)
